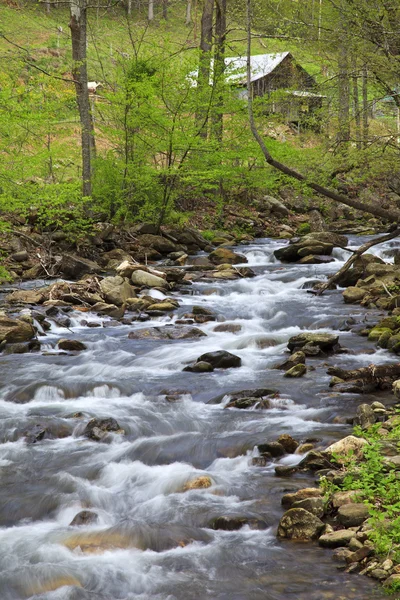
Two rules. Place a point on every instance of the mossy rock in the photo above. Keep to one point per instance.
(377, 332)
(394, 343)
(384, 339)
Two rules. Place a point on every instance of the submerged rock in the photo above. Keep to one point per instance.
(166, 332)
(221, 359)
(97, 429)
(85, 517)
(233, 523)
(71, 345)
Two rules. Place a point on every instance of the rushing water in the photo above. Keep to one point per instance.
(152, 541)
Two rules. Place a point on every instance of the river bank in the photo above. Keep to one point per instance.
(179, 463)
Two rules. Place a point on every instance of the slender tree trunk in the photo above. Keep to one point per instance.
(374, 209)
(219, 69)
(165, 9)
(129, 7)
(343, 93)
(356, 105)
(150, 12)
(78, 19)
(48, 6)
(203, 80)
(365, 132)
(188, 12)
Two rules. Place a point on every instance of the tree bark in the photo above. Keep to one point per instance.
(353, 258)
(365, 133)
(219, 69)
(188, 12)
(356, 105)
(165, 9)
(77, 24)
(390, 215)
(203, 79)
(343, 93)
(150, 12)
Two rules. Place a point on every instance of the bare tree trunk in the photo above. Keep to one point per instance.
(365, 132)
(77, 24)
(374, 209)
(356, 105)
(165, 9)
(129, 7)
(188, 12)
(150, 13)
(48, 6)
(344, 94)
(203, 80)
(385, 238)
(219, 69)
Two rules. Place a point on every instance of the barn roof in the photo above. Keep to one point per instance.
(260, 66)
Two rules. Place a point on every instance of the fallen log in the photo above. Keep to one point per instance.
(353, 258)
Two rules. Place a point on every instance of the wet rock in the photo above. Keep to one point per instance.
(199, 483)
(353, 295)
(259, 393)
(275, 449)
(352, 515)
(285, 470)
(298, 524)
(315, 461)
(97, 429)
(116, 290)
(337, 539)
(250, 402)
(75, 267)
(71, 345)
(365, 416)
(341, 554)
(225, 256)
(144, 279)
(233, 523)
(289, 499)
(296, 371)
(166, 333)
(22, 348)
(13, 331)
(200, 367)
(326, 341)
(315, 506)
(166, 305)
(201, 310)
(360, 554)
(289, 444)
(221, 359)
(110, 310)
(312, 259)
(36, 433)
(260, 461)
(296, 358)
(85, 517)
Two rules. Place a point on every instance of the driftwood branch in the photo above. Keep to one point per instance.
(374, 209)
(353, 258)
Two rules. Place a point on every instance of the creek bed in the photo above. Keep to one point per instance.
(162, 546)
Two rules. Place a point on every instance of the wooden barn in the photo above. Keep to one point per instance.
(287, 88)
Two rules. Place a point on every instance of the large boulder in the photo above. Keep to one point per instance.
(26, 297)
(75, 267)
(144, 279)
(71, 345)
(158, 242)
(349, 446)
(222, 256)
(221, 359)
(336, 539)
(325, 341)
(298, 524)
(317, 243)
(166, 333)
(116, 290)
(13, 331)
